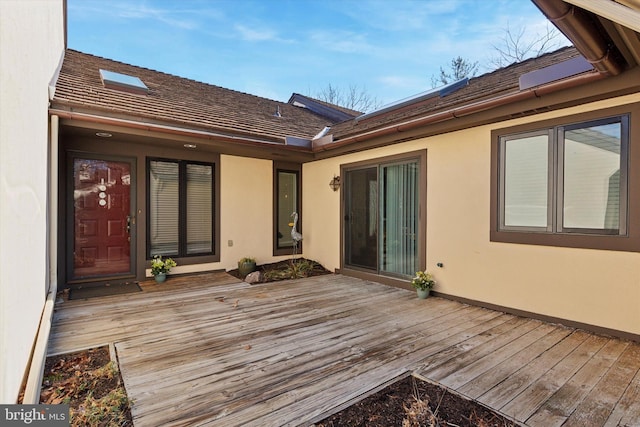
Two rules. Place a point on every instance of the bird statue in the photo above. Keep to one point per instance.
(294, 233)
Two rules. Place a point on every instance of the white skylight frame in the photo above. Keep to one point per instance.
(125, 82)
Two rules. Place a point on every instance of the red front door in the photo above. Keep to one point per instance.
(101, 215)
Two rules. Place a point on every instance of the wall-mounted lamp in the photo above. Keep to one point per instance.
(335, 183)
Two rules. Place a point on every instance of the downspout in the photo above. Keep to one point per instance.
(579, 27)
(466, 110)
(39, 355)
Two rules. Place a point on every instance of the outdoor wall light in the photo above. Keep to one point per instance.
(335, 183)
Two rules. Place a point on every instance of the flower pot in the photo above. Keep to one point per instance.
(246, 268)
(422, 293)
(160, 277)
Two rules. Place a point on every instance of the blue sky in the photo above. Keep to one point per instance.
(272, 48)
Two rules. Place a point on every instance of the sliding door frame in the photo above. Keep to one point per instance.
(421, 158)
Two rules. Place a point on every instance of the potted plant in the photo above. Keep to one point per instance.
(160, 267)
(423, 283)
(246, 265)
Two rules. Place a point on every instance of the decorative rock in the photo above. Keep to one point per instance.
(254, 277)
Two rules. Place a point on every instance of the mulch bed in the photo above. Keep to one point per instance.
(90, 383)
(411, 402)
(280, 270)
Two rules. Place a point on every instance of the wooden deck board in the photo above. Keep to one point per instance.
(528, 373)
(597, 407)
(531, 399)
(627, 411)
(562, 404)
(210, 350)
(507, 366)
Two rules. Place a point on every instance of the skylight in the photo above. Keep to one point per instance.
(113, 80)
(554, 72)
(441, 92)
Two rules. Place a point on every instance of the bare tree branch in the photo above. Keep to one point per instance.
(459, 68)
(515, 46)
(353, 97)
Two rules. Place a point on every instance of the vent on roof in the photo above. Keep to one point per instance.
(124, 82)
(554, 72)
(441, 92)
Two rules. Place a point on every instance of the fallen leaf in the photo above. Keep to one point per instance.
(247, 347)
(235, 304)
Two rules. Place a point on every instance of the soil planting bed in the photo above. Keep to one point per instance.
(411, 402)
(90, 383)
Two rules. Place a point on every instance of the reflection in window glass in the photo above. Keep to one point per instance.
(592, 177)
(287, 204)
(199, 209)
(526, 181)
(163, 207)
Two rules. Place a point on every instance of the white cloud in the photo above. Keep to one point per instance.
(176, 18)
(399, 16)
(253, 34)
(341, 41)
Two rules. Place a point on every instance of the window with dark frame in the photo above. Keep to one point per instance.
(287, 199)
(180, 208)
(568, 181)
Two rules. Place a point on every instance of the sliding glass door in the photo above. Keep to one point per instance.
(381, 213)
(399, 208)
(361, 218)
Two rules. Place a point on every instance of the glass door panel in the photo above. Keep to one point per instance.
(399, 219)
(361, 218)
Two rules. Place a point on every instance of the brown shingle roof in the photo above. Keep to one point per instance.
(177, 101)
(497, 83)
(195, 105)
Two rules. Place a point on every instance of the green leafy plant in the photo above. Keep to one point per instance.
(423, 280)
(294, 270)
(158, 265)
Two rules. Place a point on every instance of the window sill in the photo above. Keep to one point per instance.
(582, 241)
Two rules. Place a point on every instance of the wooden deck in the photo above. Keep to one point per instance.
(210, 350)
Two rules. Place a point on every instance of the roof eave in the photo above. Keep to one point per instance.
(86, 119)
(587, 34)
(460, 111)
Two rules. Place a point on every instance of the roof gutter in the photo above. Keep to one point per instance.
(578, 26)
(171, 130)
(465, 110)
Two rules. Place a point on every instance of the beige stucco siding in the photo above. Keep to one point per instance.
(247, 210)
(595, 287)
(246, 214)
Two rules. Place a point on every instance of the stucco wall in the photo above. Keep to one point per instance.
(246, 217)
(596, 287)
(31, 47)
(247, 213)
